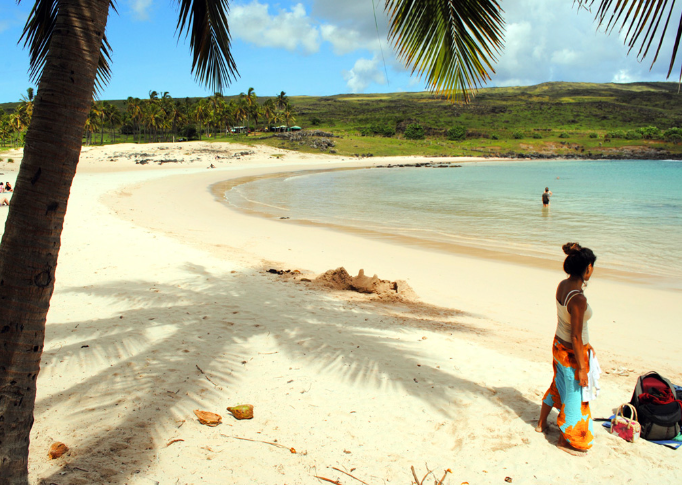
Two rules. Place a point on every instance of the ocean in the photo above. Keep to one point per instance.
(628, 212)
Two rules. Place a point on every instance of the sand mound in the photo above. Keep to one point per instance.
(339, 279)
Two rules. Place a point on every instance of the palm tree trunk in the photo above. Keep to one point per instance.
(32, 238)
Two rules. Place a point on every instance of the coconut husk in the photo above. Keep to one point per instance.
(243, 411)
(56, 450)
(209, 419)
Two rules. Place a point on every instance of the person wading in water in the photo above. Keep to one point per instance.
(545, 197)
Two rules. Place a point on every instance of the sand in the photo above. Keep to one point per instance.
(163, 305)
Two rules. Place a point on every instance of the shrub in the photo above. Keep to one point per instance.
(415, 131)
(518, 135)
(494, 136)
(388, 131)
(376, 129)
(127, 129)
(563, 135)
(457, 133)
(633, 135)
(190, 132)
(671, 134)
(537, 136)
(594, 135)
(10, 160)
(615, 134)
(676, 139)
(316, 121)
(650, 132)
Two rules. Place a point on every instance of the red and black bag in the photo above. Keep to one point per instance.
(658, 410)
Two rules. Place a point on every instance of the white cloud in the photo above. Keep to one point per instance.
(290, 30)
(4, 25)
(364, 73)
(550, 40)
(622, 76)
(141, 8)
(565, 57)
(344, 41)
(414, 80)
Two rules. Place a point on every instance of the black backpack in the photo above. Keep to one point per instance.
(658, 421)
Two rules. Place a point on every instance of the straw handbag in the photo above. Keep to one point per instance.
(627, 428)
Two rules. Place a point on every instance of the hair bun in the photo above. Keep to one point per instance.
(571, 248)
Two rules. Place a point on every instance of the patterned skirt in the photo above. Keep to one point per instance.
(565, 394)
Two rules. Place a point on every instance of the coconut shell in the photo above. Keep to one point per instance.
(209, 419)
(56, 450)
(243, 411)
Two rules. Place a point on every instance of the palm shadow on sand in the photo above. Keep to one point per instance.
(180, 345)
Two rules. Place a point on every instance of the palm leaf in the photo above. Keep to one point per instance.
(37, 35)
(452, 43)
(642, 19)
(205, 22)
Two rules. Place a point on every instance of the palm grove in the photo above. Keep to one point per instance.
(453, 44)
(160, 117)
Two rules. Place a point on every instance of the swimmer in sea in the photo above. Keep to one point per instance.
(545, 197)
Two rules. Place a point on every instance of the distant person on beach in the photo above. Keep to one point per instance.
(8, 187)
(2, 188)
(545, 197)
(4, 202)
(211, 166)
(574, 357)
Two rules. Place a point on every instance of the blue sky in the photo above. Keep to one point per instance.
(326, 47)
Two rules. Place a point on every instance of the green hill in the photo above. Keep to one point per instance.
(550, 119)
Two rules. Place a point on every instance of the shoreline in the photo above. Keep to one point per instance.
(490, 253)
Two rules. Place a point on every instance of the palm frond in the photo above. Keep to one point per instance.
(451, 43)
(642, 19)
(205, 22)
(37, 35)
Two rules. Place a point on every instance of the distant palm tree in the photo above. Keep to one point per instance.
(17, 124)
(241, 111)
(268, 109)
(154, 117)
(288, 115)
(102, 113)
(26, 105)
(175, 114)
(93, 122)
(6, 130)
(201, 113)
(282, 100)
(134, 110)
(113, 116)
(250, 100)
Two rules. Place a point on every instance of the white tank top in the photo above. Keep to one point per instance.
(563, 327)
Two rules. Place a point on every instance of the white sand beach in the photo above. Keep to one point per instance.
(163, 305)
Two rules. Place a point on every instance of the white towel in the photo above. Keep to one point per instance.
(591, 392)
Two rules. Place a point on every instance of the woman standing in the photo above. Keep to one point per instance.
(571, 352)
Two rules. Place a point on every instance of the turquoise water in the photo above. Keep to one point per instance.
(628, 212)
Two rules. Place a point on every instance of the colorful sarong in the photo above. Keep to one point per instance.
(565, 394)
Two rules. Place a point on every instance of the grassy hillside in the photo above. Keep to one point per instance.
(550, 119)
